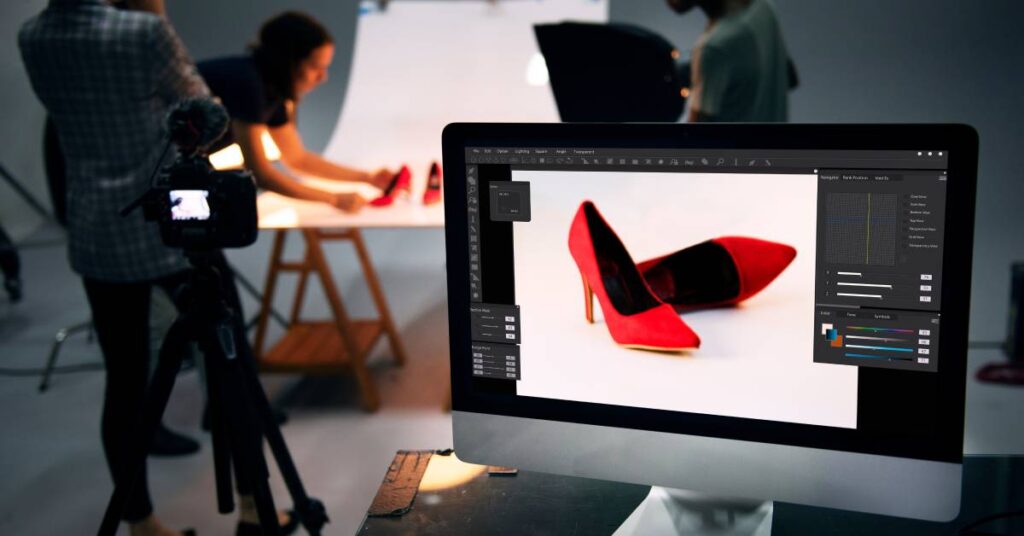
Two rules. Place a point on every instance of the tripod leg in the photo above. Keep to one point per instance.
(156, 401)
(218, 432)
(255, 293)
(251, 472)
(311, 512)
(265, 507)
(247, 444)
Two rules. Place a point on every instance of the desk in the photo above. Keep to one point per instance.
(341, 342)
(539, 503)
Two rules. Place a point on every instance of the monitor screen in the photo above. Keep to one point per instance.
(780, 295)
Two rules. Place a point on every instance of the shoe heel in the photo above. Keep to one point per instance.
(588, 300)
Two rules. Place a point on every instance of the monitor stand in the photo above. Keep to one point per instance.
(668, 511)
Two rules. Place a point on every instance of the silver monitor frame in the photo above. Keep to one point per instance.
(871, 483)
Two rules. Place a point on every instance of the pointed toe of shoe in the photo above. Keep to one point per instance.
(758, 262)
(658, 329)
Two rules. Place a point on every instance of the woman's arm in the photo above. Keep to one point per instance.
(295, 155)
(269, 177)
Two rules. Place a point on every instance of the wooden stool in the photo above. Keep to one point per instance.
(325, 346)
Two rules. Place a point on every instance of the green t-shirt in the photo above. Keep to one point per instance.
(739, 68)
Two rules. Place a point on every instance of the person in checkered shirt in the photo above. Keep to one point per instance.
(108, 77)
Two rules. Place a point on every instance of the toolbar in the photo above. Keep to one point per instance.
(716, 160)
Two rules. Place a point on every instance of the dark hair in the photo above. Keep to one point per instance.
(284, 42)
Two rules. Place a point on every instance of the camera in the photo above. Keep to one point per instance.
(196, 206)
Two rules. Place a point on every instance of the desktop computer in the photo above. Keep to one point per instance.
(768, 312)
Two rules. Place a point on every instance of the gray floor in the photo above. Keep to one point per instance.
(54, 477)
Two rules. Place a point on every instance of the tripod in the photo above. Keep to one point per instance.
(239, 410)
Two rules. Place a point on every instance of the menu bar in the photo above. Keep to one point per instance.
(720, 160)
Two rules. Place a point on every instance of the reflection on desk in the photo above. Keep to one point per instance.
(527, 503)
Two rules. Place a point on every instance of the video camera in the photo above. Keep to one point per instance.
(198, 207)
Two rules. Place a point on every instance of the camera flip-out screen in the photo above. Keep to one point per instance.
(189, 205)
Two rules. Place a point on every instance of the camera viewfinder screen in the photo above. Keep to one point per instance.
(189, 205)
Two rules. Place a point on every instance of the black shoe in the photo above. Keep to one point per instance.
(13, 287)
(169, 443)
(249, 529)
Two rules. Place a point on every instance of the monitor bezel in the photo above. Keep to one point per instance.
(960, 141)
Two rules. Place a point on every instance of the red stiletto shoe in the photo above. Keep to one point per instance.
(401, 183)
(634, 316)
(718, 272)
(433, 192)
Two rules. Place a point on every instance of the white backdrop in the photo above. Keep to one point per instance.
(755, 361)
(421, 65)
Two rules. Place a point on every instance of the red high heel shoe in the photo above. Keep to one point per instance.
(715, 273)
(634, 316)
(433, 192)
(401, 183)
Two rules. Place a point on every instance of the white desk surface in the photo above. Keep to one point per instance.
(279, 212)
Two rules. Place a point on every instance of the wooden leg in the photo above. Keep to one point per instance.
(300, 292)
(367, 389)
(378, 298)
(268, 291)
(323, 270)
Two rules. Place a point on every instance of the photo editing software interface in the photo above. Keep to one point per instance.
(784, 273)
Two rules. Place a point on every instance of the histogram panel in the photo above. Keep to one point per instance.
(861, 229)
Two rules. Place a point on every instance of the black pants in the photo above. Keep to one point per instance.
(120, 315)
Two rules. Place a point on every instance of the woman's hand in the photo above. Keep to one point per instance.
(380, 178)
(349, 202)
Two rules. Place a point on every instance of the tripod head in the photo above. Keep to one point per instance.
(196, 206)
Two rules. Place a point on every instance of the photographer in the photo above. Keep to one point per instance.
(134, 65)
(260, 92)
(107, 77)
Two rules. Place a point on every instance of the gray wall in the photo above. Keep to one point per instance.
(911, 61)
(21, 123)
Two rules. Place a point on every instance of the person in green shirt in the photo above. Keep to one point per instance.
(739, 64)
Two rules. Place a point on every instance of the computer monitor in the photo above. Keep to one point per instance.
(780, 313)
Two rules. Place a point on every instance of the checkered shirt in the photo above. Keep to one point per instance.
(108, 78)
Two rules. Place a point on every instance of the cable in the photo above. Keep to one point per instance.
(64, 369)
(965, 530)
